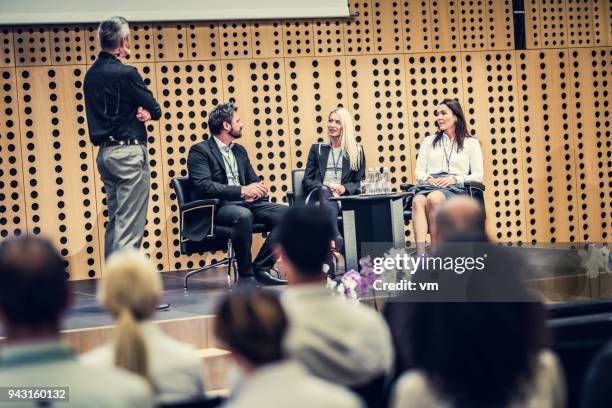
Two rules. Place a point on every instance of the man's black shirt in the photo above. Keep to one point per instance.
(113, 93)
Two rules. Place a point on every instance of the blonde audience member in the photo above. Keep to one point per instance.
(252, 325)
(130, 290)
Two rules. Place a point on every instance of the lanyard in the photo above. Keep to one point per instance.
(335, 162)
(231, 168)
(448, 156)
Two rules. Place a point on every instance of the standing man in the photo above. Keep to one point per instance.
(220, 168)
(118, 104)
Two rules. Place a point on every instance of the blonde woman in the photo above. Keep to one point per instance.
(130, 290)
(335, 168)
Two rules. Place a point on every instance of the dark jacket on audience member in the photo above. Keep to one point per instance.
(317, 164)
(113, 92)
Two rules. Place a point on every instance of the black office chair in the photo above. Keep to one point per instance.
(475, 189)
(218, 238)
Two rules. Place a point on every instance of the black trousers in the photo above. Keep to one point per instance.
(321, 195)
(241, 218)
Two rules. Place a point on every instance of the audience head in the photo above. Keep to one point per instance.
(302, 243)
(33, 287)
(114, 36)
(252, 325)
(224, 119)
(130, 290)
(451, 119)
(459, 219)
(340, 126)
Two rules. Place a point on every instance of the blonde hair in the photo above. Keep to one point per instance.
(350, 148)
(130, 289)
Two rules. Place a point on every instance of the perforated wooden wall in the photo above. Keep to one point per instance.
(542, 114)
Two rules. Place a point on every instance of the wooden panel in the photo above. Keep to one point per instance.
(473, 24)
(489, 80)
(315, 86)
(602, 22)
(155, 242)
(32, 46)
(328, 36)
(170, 42)
(580, 23)
(500, 26)
(358, 30)
(203, 41)
(553, 23)
(236, 40)
(533, 35)
(141, 43)
(298, 36)
(67, 44)
(444, 23)
(267, 39)
(12, 197)
(418, 26)
(548, 148)
(258, 88)
(387, 26)
(7, 54)
(590, 71)
(186, 91)
(429, 79)
(59, 174)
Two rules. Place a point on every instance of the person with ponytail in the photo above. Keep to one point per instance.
(335, 168)
(445, 161)
(130, 290)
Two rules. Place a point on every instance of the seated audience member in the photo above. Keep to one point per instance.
(33, 295)
(220, 168)
(445, 162)
(341, 342)
(596, 391)
(252, 325)
(130, 290)
(335, 168)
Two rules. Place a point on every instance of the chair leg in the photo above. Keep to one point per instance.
(230, 262)
(196, 271)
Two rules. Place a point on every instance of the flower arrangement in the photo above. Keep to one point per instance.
(596, 259)
(354, 285)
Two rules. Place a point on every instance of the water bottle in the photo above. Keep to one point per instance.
(377, 181)
(386, 177)
(370, 181)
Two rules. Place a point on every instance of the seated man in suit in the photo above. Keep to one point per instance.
(220, 168)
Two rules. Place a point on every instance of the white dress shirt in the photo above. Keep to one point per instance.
(288, 384)
(229, 160)
(53, 364)
(346, 343)
(466, 165)
(547, 388)
(175, 367)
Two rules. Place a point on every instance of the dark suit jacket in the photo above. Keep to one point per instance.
(209, 180)
(317, 164)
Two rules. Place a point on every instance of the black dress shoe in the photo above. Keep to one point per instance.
(265, 278)
(247, 281)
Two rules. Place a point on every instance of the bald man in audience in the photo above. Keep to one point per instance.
(459, 219)
(33, 296)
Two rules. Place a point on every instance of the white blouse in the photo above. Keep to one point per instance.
(466, 165)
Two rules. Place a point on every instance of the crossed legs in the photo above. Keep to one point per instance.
(423, 213)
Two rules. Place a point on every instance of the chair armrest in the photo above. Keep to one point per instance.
(405, 186)
(475, 185)
(290, 198)
(192, 205)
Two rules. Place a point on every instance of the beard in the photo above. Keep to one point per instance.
(236, 134)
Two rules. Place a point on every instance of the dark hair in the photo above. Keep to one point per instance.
(461, 130)
(252, 324)
(33, 287)
(479, 354)
(469, 226)
(221, 114)
(304, 234)
(112, 31)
